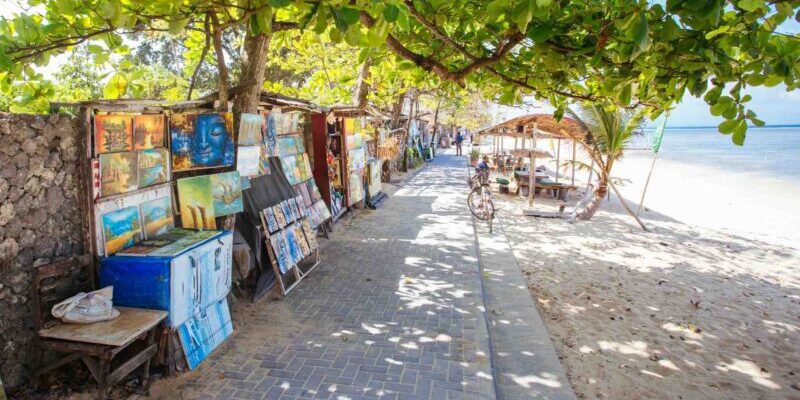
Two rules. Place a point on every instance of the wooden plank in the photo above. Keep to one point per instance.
(134, 362)
(120, 331)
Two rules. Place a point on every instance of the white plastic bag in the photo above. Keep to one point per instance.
(86, 308)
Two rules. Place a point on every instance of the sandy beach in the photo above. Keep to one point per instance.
(707, 306)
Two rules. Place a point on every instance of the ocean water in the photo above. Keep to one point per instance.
(773, 151)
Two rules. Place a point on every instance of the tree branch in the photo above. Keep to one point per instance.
(202, 59)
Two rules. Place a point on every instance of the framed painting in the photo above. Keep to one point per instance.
(153, 165)
(311, 235)
(226, 190)
(118, 173)
(157, 217)
(263, 161)
(302, 243)
(196, 202)
(112, 133)
(121, 229)
(251, 129)
(201, 141)
(148, 131)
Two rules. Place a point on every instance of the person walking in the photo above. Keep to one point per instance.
(459, 139)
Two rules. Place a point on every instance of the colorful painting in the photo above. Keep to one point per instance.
(301, 207)
(290, 145)
(204, 332)
(117, 173)
(112, 133)
(248, 159)
(277, 210)
(251, 129)
(283, 257)
(292, 244)
(263, 161)
(121, 229)
(287, 211)
(201, 141)
(289, 165)
(313, 191)
(311, 235)
(286, 123)
(306, 195)
(336, 180)
(272, 223)
(349, 126)
(322, 210)
(302, 243)
(271, 137)
(293, 208)
(153, 167)
(157, 217)
(148, 131)
(356, 159)
(227, 192)
(356, 185)
(196, 202)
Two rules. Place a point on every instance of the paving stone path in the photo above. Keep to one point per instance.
(394, 312)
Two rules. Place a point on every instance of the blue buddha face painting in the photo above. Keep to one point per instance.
(201, 141)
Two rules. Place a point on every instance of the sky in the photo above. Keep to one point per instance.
(774, 106)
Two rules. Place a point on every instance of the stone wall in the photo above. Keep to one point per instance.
(39, 220)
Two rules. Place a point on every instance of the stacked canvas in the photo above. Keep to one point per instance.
(291, 235)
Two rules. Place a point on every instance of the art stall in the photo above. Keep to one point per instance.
(167, 184)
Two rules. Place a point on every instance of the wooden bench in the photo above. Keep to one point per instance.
(95, 344)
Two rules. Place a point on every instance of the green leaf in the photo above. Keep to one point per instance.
(116, 87)
(279, 3)
(522, 15)
(727, 126)
(751, 5)
(176, 26)
(391, 12)
(641, 35)
(739, 132)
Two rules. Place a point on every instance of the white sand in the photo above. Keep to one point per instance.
(707, 310)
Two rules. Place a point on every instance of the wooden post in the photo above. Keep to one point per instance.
(558, 158)
(532, 172)
(574, 148)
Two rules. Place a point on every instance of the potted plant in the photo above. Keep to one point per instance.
(474, 155)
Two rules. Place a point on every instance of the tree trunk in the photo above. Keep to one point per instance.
(222, 69)
(253, 68)
(362, 85)
(597, 201)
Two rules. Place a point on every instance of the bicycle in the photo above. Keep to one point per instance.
(480, 200)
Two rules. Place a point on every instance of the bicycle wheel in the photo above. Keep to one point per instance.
(488, 210)
(476, 203)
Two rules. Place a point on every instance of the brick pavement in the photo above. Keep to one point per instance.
(394, 312)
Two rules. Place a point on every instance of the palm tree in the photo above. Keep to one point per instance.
(609, 131)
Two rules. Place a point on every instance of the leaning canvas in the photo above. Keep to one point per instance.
(196, 202)
(121, 229)
(157, 217)
(201, 141)
(148, 131)
(248, 160)
(118, 173)
(287, 211)
(277, 210)
(283, 257)
(153, 167)
(272, 223)
(251, 129)
(227, 192)
(112, 133)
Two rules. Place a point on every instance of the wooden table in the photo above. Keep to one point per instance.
(98, 343)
